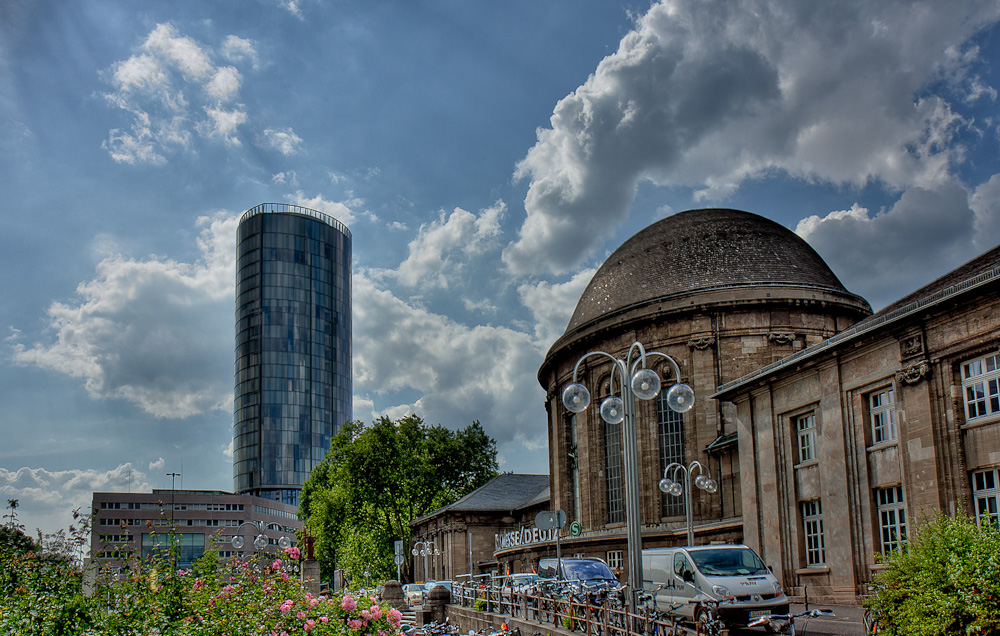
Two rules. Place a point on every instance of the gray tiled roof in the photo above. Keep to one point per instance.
(700, 250)
(505, 493)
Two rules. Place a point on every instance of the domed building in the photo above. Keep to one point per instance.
(722, 292)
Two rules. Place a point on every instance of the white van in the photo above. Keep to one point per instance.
(713, 572)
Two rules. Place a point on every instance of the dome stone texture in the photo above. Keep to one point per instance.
(699, 250)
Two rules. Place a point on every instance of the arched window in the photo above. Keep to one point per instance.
(671, 424)
(614, 473)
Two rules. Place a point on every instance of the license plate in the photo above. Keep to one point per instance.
(759, 613)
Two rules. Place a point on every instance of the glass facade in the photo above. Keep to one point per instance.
(293, 346)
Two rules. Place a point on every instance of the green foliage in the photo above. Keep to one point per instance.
(945, 581)
(41, 595)
(376, 479)
(480, 605)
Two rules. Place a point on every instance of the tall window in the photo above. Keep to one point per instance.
(891, 517)
(981, 385)
(575, 468)
(613, 462)
(805, 430)
(883, 415)
(984, 487)
(615, 560)
(671, 450)
(812, 529)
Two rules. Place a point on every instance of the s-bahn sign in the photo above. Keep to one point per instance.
(523, 536)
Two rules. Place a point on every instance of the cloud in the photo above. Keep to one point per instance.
(237, 49)
(342, 211)
(442, 246)
(886, 255)
(284, 141)
(458, 373)
(157, 465)
(165, 86)
(706, 95)
(552, 304)
(47, 498)
(147, 331)
(985, 203)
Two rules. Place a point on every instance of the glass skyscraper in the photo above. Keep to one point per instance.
(293, 346)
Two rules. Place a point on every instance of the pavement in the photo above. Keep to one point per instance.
(847, 621)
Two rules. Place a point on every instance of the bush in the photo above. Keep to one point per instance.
(944, 581)
(41, 595)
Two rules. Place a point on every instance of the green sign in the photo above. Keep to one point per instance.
(575, 529)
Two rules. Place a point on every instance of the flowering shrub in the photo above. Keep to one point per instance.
(212, 598)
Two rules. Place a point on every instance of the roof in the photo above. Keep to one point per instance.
(982, 270)
(700, 250)
(504, 493)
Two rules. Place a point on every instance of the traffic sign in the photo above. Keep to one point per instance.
(575, 529)
(548, 519)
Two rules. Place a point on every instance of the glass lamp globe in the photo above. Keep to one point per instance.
(645, 384)
(701, 482)
(414, 552)
(711, 486)
(237, 542)
(437, 551)
(676, 489)
(665, 484)
(613, 410)
(576, 397)
(680, 398)
(260, 542)
(284, 542)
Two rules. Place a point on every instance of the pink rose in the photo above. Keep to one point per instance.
(324, 619)
(355, 623)
(395, 616)
(348, 603)
(310, 624)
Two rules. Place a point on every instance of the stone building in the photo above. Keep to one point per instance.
(844, 445)
(723, 292)
(469, 530)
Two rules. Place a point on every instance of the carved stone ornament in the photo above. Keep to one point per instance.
(703, 342)
(911, 346)
(914, 373)
(781, 337)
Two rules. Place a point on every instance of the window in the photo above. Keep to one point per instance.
(614, 473)
(812, 527)
(805, 429)
(883, 416)
(981, 386)
(985, 491)
(891, 517)
(615, 560)
(671, 450)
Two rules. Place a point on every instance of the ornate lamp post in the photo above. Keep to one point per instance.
(260, 541)
(635, 380)
(426, 548)
(674, 487)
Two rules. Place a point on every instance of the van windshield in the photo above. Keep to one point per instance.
(728, 562)
(586, 570)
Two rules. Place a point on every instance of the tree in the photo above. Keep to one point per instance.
(376, 479)
(13, 504)
(945, 580)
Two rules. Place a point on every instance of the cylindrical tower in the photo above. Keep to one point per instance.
(293, 346)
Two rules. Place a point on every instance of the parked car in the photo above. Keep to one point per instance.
(413, 594)
(589, 569)
(713, 572)
(517, 583)
(429, 585)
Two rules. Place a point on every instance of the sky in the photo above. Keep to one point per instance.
(486, 156)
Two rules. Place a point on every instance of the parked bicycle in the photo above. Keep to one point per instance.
(785, 623)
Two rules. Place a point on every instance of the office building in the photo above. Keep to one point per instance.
(138, 525)
(293, 346)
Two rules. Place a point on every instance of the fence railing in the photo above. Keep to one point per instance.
(565, 611)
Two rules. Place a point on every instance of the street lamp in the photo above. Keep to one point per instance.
(260, 541)
(635, 380)
(673, 486)
(426, 548)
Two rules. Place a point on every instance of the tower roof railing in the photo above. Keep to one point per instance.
(288, 208)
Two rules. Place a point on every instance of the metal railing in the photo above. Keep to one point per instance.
(557, 607)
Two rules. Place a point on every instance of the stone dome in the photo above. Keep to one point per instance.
(701, 250)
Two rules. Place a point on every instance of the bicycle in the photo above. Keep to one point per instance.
(785, 623)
